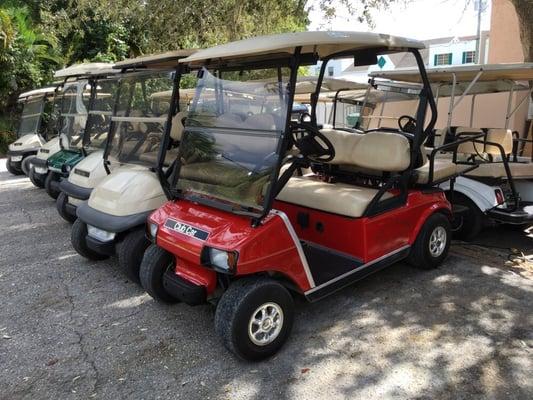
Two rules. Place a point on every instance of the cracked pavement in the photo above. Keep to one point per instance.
(74, 329)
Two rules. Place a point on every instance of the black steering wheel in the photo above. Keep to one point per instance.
(409, 125)
(312, 144)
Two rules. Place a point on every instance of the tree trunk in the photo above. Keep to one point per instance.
(524, 11)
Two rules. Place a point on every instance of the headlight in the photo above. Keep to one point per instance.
(221, 260)
(151, 231)
(100, 234)
(41, 170)
(66, 168)
(16, 158)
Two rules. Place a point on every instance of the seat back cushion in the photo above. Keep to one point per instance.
(468, 147)
(504, 137)
(176, 130)
(344, 144)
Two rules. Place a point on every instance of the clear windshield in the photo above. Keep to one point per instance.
(73, 116)
(140, 118)
(232, 135)
(31, 116)
(51, 116)
(100, 114)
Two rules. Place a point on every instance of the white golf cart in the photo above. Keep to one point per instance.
(34, 129)
(501, 188)
(72, 104)
(147, 115)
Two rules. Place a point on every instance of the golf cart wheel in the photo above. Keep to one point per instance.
(35, 179)
(130, 253)
(61, 203)
(432, 243)
(11, 169)
(468, 224)
(51, 177)
(26, 164)
(79, 242)
(254, 317)
(155, 263)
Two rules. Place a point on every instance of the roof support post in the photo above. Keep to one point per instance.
(472, 110)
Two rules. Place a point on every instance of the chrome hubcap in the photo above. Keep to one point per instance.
(437, 241)
(265, 324)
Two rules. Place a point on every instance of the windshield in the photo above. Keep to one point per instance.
(140, 119)
(31, 116)
(100, 114)
(232, 134)
(74, 104)
(51, 115)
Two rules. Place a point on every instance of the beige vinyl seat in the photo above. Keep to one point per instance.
(176, 132)
(377, 151)
(496, 169)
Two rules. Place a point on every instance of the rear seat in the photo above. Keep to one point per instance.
(377, 151)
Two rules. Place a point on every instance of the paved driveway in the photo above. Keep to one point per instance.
(73, 329)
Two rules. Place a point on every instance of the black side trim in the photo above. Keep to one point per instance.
(70, 208)
(24, 152)
(105, 248)
(183, 290)
(39, 162)
(73, 190)
(357, 274)
(108, 222)
(326, 264)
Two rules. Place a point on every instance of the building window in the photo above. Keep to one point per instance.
(443, 59)
(331, 70)
(469, 57)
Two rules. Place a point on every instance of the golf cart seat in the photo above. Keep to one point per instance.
(376, 151)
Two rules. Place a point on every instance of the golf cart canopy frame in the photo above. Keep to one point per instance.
(451, 82)
(293, 50)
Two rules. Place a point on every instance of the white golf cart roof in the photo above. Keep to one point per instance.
(463, 73)
(322, 43)
(162, 60)
(37, 93)
(86, 69)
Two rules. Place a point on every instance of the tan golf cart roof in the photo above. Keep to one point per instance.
(37, 93)
(86, 69)
(321, 43)
(162, 60)
(464, 73)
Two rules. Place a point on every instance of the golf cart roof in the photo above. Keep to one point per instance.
(463, 73)
(37, 92)
(86, 69)
(162, 60)
(321, 43)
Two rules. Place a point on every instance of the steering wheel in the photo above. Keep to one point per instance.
(409, 125)
(312, 144)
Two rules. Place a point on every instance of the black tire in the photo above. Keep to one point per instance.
(25, 165)
(61, 202)
(236, 309)
(155, 263)
(469, 224)
(421, 256)
(130, 252)
(77, 238)
(51, 177)
(36, 179)
(11, 169)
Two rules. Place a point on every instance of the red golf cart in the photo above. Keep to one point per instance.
(248, 225)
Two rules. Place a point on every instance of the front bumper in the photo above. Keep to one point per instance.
(520, 216)
(72, 190)
(104, 248)
(108, 222)
(40, 166)
(184, 290)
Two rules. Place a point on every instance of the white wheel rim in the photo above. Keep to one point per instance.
(437, 241)
(265, 324)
